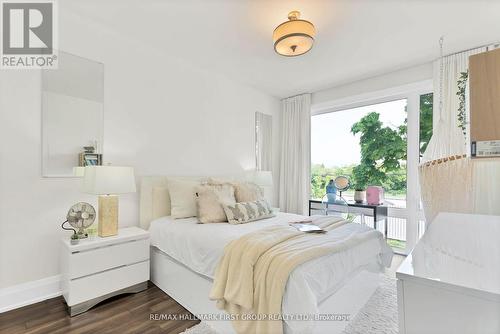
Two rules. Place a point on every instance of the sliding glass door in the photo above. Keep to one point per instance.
(377, 144)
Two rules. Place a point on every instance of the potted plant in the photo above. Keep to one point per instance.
(74, 239)
(360, 182)
(360, 194)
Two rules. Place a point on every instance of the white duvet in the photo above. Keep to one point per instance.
(200, 246)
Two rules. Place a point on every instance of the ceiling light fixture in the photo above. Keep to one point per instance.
(294, 37)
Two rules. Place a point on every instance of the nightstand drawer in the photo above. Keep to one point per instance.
(89, 287)
(108, 257)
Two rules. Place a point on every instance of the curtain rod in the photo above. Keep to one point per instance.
(290, 97)
(495, 44)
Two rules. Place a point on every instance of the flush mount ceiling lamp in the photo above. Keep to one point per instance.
(294, 37)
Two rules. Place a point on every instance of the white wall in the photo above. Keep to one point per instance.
(162, 116)
(377, 83)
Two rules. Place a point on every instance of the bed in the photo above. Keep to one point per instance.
(184, 255)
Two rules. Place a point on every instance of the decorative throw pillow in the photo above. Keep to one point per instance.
(245, 212)
(243, 191)
(182, 197)
(160, 202)
(248, 192)
(219, 180)
(209, 201)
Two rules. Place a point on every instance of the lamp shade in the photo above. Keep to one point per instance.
(78, 171)
(294, 37)
(107, 180)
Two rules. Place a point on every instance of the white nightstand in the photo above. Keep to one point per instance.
(97, 269)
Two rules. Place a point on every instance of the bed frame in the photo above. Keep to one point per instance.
(191, 289)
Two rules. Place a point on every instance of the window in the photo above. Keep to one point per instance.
(367, 144)
(425, 134)
(385, 135)
(425, 124)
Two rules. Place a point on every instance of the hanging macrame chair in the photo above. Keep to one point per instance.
(450, 181)
(445, 173)
(447, 139)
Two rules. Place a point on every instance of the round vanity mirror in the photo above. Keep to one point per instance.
(342, 183)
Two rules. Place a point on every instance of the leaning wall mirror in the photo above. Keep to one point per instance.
(263, 141)
(72, 115)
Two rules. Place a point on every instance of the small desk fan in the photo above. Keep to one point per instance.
(80, 216)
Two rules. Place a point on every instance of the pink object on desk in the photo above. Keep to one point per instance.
(375, 195)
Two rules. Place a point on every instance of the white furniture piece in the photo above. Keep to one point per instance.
(450, 283)
(191, 289)
(97, 269)
(108, 182)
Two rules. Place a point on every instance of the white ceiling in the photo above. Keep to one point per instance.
(355, 39)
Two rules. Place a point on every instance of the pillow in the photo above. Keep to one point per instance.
(209, 201)
(161, 202)
(182, 197)
(218, 180)
(246, 212)
(243, 191)
(248, 192)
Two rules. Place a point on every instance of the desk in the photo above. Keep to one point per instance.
(378, 212)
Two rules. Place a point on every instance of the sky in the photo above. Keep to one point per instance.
(332, 142)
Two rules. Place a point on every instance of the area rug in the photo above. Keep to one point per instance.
(201, 328)
(378, 316)
(380, 313)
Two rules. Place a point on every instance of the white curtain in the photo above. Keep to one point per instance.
(264, 141)
(448, 139)
(295, 168)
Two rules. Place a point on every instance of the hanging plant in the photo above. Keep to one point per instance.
(462, 84)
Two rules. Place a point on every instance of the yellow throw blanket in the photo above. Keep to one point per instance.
(251, 277)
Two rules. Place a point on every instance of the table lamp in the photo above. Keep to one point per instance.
(108, 182)
(78, 171)
(264, 179)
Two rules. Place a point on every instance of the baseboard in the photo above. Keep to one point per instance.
(29, 293)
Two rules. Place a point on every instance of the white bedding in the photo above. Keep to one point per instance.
(200, 246)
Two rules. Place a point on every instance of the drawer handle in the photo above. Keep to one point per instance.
(114, 268)
(107, 246)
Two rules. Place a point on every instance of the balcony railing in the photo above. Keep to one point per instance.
(396, 229)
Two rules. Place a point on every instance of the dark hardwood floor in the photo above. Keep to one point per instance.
(122, 314)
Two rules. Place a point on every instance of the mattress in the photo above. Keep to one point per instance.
(200, 246)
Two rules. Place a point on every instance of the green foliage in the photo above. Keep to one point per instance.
(320, 175)
(462, 84)
(426, 107)
(395, 184)
(382, 150)
(399, 244)
(383, 154)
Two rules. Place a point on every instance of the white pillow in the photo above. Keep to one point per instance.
(182, 197)
(243, 191)
(161, 202)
